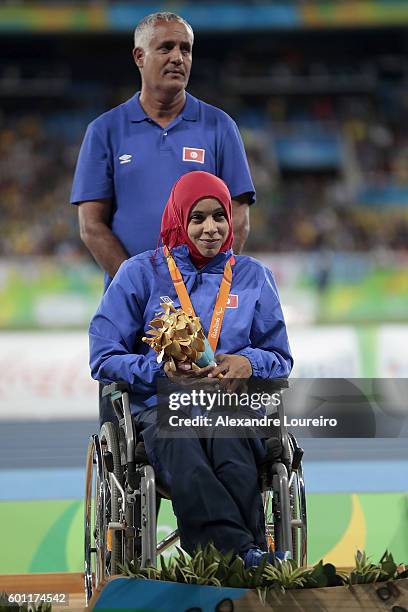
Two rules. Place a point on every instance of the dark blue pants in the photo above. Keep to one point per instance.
(213, 484)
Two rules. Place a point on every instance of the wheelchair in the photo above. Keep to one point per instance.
(121, 494)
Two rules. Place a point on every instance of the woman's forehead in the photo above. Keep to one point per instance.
(207, 205)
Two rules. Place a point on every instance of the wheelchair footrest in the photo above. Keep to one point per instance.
(116, 526)
(109, 534)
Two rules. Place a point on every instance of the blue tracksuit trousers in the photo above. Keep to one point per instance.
(213, 484)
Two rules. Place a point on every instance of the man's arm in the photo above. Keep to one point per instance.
(240, 217)
(94, 218)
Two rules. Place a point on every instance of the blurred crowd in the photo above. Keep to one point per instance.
(357, 203)
(35, 176)
(295, 211)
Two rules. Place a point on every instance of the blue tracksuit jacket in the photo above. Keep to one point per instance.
(254, 327)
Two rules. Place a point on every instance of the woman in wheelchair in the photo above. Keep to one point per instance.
(213, 482)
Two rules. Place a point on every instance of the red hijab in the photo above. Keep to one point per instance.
(187, 191)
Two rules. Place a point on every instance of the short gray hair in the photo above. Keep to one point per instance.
(144, 28)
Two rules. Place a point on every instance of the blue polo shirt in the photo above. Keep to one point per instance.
(127, 157)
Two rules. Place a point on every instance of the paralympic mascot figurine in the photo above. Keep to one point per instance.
(178, 337)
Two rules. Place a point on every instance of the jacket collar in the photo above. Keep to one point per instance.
(184, 263)
(137, 114)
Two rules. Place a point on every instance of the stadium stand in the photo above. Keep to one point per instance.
(331, 169)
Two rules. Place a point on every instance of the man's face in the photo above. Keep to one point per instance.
(165, 63)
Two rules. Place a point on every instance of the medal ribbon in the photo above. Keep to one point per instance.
(220, 304)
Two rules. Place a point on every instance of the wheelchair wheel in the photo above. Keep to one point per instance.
(298, 511)
(269, 519)
(101, 507)
(113, 541)
(91, 571)
(279, 517)
(285, 514)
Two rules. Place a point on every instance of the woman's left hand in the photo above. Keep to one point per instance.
(185, 374)
(232, 366)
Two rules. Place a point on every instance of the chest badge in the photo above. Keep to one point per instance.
(193, 155)
(125, 159)
(232, 301)
(166, 299)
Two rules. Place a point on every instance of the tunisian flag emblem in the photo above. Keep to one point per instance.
(232, 301)
(193, 155)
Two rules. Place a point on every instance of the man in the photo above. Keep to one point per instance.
(132, 155)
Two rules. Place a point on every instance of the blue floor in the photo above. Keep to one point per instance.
(46, 460)
(320, 477)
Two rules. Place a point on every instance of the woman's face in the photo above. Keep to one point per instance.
(208, 226)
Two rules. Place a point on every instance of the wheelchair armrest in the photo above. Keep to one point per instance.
(297, 452)
(276, 384)
(116, 387)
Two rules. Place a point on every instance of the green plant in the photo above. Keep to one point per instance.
(233, 573)
(134, 570)
(285, 575)
(208, 566)
(366, 572)
(391, 569)
(388, 566)
(325, 575)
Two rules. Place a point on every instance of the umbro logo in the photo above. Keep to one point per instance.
(125, 159)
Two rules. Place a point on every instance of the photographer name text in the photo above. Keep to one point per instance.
(263, 421)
